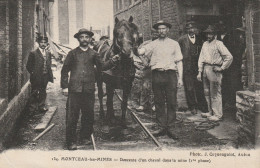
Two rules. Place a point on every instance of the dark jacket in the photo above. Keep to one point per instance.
(35, 66)
(81, 64)
(190, 64)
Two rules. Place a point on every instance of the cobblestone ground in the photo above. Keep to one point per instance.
(111, 137)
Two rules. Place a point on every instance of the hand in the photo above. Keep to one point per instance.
(115, 58)
(199, 77)
(217, 69)
(65, 91)
(180, 83)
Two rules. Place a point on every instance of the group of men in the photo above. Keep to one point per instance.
(171, 64)
(186, 62)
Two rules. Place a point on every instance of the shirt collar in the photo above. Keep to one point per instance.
(42, 51)
(84, 49)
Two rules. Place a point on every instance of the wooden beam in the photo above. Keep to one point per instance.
(46, 119)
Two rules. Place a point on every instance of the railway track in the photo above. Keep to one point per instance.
(148, 138)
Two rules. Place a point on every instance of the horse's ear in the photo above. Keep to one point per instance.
(131, 19)
(116, 20)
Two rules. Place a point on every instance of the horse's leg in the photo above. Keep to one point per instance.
(126, 92)
(100, 97)
(110, 108)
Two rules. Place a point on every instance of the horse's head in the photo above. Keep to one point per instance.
(125, 36)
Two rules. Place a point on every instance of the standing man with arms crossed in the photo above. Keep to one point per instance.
(80, 63)
(214, 58)
(166, 60)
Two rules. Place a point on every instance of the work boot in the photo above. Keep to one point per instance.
(43, 109)
(72, 146)
(205, 115)
(171, 134)
(194, 111)
(85, 141)
(160, 132)
(140, 108)
(214, 118)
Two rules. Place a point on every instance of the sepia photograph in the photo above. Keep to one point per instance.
(129, 83)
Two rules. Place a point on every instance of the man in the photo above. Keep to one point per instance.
(39, 67)
(190, 47)
(166, 60)
(146, 98)
(214, 58)
(80, 63)
(228, 94)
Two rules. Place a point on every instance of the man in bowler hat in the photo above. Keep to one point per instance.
(39, 67)
(81, 62)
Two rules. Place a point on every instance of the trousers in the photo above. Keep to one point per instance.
(164, 84)
(38, 94)
(76, 102)
(212, 90)
(146, 98)
(194, 92)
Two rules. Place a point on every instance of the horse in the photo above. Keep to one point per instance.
(121, 76)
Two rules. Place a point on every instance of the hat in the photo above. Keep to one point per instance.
(83, 30)
(161, 22)
(190, 24)
(241, 29)
(221, 27)
(210, 29)
(104, 37)
(41, 37)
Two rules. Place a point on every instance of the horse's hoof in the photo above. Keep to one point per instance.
(112, 120)
(124, 126)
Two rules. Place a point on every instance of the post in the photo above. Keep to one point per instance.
(257, 119)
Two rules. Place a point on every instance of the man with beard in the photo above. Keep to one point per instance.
(190, 47)
(80, 63)
(39, 67)
(166, 61)
(214, 58)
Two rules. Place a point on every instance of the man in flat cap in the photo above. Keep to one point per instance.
(166, 61)
(190, 45)
(39, 67)
(214, 58)
(80, 63)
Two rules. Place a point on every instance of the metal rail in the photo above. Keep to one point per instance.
(141, 124)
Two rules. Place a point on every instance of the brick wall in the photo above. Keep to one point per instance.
(18, 19)
(27, 35)
(3, 49)
(13, 22)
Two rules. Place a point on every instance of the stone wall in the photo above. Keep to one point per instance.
(245, 101)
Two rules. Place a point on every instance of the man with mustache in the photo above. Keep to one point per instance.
(190, 45)
(39, 67)
(80, 63)
(214, 58)
(165, 62)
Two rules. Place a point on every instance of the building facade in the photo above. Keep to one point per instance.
(68, 16)
(20, 21)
